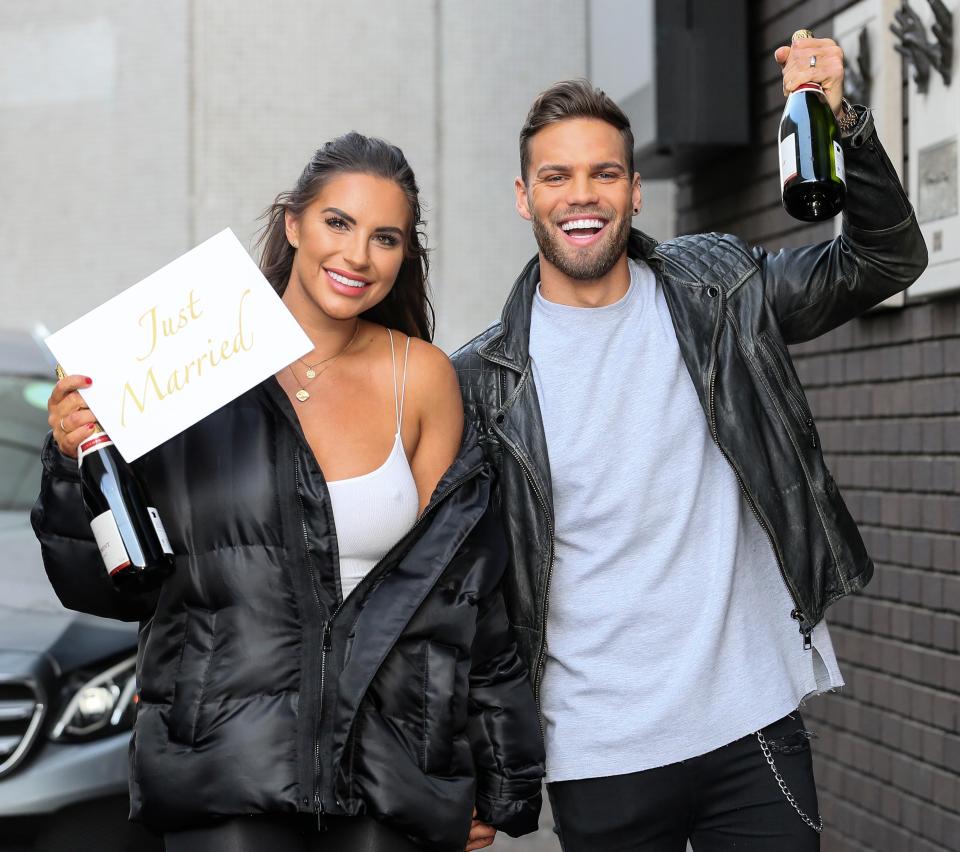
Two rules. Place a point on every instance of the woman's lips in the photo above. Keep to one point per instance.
(338, 282)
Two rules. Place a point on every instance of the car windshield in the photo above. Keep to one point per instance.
(23, 424)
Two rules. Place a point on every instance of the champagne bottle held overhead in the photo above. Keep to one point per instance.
(128, 530)
(812, 181)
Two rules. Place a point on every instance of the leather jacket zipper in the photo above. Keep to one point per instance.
(806, 475)
(545, 601)
(798, 612)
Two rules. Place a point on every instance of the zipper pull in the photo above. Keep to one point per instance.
(327, 637)
(321, 820)
(796, 615)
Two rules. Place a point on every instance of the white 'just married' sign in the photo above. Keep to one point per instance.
(180, 344)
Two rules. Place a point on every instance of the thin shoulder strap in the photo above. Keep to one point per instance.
(396, 398)
(403, 388)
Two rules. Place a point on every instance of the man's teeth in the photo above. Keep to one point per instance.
(350, 282)
(580, 224)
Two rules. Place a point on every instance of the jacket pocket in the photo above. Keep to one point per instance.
(191, 680)
(439, 694)
(788, 385)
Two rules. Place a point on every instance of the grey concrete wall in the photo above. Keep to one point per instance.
(494, 59)
(133, 131)
(275, 80)
(94, 151)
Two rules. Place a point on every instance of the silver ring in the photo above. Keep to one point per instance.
(813, 61)
(62, 427)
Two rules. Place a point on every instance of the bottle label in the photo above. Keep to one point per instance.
(107, 534)
(788, 158)
(97, 442)
(838, 162)
(161, 532)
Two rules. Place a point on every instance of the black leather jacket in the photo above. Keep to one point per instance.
(261, 690)
(735, 309)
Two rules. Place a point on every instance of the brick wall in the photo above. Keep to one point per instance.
(886, 393)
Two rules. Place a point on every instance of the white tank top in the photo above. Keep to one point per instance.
(373, 511)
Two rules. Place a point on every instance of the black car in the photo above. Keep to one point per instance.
(67, 688)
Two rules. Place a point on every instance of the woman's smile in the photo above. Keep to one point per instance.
(346, 283)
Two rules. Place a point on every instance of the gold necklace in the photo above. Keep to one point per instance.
(302, 393)
(312, 368)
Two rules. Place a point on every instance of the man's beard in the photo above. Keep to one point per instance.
(585, 264)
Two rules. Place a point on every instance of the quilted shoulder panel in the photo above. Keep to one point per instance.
(478, 380)
(708, 259)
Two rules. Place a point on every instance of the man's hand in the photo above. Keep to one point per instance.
(794, 62)
(481, 834)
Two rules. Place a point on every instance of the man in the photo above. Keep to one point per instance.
(671, 523)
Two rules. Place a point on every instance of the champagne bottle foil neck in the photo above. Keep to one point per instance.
(98, 441)
(801, 34)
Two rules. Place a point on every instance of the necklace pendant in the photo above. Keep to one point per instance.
(302, 395)
(311, 373)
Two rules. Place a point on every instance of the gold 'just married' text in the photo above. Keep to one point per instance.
(154, 387)
(168, 327)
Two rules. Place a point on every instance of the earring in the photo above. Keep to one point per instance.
(636, 210)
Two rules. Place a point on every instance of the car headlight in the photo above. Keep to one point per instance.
(101, 706)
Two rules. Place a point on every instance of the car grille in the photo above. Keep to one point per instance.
(21, 713)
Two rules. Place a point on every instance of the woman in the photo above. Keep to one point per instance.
(329, 667)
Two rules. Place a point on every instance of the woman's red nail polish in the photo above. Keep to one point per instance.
(88, 380)
(91, 425)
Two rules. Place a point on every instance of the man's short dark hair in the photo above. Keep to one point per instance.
(573, 99)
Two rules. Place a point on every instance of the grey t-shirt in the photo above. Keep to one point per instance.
(669, 630)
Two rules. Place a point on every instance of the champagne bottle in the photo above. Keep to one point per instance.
(812, 182)
(128, 531)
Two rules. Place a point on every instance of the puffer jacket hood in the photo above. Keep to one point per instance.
(261, 690)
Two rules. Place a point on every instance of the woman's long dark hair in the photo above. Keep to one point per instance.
(407, 306)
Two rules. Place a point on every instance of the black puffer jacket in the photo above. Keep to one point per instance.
(260, 691)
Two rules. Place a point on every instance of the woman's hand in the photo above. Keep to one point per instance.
(481, 835)
(68, 415)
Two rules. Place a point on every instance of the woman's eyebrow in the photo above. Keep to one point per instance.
(338, 212)
(348, 218)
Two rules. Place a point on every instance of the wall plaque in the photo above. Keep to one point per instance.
(933, 131)
(937, 181)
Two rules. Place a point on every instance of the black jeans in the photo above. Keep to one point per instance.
(726, 799)
(290, 834)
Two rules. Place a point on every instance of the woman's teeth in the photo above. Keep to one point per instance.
(350, 282)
